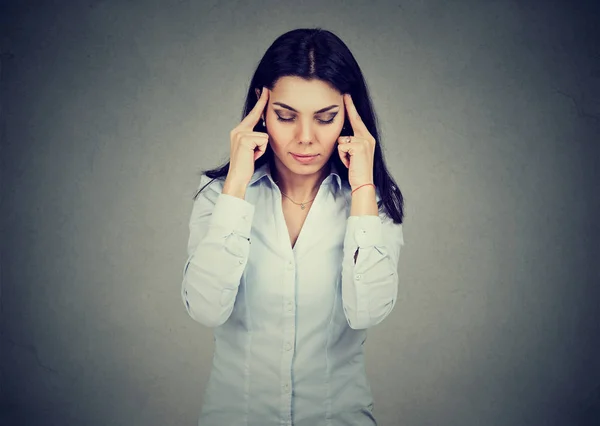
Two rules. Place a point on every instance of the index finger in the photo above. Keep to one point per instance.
(254, 115)
(355, 120)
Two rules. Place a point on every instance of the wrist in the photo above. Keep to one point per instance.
(362, 186)
(364, 201)
(234, 188)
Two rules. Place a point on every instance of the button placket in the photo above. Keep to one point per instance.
(289, 335)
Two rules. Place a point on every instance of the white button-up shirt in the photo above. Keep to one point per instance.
(289, 324)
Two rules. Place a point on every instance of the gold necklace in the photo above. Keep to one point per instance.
(302, 205)
(298, 204)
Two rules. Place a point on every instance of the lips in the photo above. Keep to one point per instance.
(304, 158)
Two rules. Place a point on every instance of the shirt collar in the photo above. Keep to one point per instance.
(265, 171)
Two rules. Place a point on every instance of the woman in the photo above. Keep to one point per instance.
(294, 244)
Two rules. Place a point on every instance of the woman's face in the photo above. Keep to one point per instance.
(304, 117)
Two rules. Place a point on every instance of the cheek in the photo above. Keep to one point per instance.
(328, 135)
(278, 130)
(278, 135)
(334, 129)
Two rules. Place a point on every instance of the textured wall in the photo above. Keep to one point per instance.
(490, 116)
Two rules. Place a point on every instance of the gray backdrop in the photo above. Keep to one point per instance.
(490, 121)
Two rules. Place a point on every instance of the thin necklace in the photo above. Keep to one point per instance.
(302, 205)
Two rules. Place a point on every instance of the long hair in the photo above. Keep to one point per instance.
(320, 54)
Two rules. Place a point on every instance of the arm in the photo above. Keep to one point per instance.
(218, 248)
(370, 263)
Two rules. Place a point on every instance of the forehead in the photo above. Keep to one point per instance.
(305, 95)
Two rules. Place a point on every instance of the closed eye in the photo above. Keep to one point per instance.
(284, 119)
(326, 121)
(287, 120)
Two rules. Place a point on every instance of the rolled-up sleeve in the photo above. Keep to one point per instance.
(218, 248)
(370, 286)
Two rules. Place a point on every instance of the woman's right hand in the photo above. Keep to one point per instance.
(247, 146)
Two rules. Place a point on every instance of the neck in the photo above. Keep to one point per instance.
(300, 188)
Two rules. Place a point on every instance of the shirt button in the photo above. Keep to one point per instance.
(358, 276)
(290, 265)
(288, 346)
(286, 388)
(241, 261)
(290, 306)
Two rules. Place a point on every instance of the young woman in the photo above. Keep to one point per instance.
(294, 244)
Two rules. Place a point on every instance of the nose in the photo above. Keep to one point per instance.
(306, 132)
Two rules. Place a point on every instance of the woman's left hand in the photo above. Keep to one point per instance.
(357, 152)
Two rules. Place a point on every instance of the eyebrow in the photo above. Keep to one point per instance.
(281, 104)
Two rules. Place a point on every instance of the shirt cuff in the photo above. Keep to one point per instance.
(233, 214)
(364, 231)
